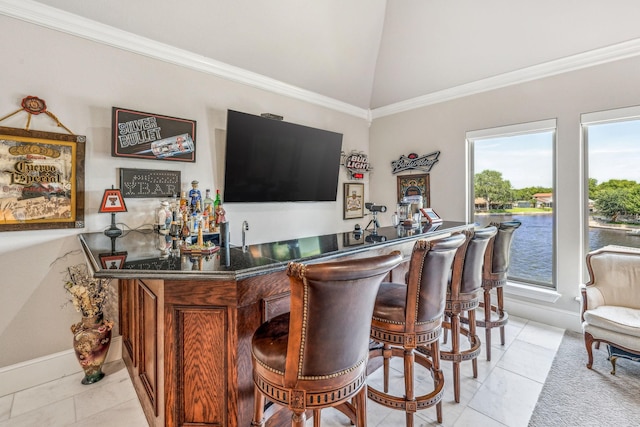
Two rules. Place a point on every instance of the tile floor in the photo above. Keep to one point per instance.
(504, 394)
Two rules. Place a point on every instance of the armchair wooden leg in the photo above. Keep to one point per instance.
(316, 418)
(588, 342)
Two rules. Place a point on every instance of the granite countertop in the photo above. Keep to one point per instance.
(138, 254)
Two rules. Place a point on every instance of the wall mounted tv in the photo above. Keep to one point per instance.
(270, 160)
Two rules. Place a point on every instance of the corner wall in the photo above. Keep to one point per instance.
(443, 127)
(81, 81)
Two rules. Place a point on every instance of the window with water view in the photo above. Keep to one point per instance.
(512, 170)
(613, 157)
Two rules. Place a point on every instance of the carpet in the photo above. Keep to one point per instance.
(576, 396)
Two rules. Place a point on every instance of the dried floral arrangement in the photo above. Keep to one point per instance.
(87, 293)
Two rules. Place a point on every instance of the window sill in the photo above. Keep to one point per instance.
(522, 290)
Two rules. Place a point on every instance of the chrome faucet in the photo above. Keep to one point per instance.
(245, 228)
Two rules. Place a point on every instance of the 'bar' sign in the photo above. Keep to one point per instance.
(149, 183)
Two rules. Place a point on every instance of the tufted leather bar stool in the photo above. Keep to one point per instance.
(409, 315)
(316, 356)
(494, 276)
(463, 297)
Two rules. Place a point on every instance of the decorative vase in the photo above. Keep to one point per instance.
(91, 341)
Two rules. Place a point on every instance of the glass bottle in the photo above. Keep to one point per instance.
(185, 232)
(216, 203)
(183, 201)
(208, 201)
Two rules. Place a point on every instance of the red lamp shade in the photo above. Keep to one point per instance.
(112, 202)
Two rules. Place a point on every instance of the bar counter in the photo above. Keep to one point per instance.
(186, 321)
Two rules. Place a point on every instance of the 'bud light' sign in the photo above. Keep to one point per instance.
(357, 163)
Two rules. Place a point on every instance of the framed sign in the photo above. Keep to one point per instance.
(152, 136)
(353, 200)
(142, 183)
(42, 180)
(414, 185)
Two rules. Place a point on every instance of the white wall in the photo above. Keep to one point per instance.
(81, 80)
(443, 127)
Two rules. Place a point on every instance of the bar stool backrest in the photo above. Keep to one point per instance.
(428, 276)
(497, 256)
(331, 309)
(474, 259)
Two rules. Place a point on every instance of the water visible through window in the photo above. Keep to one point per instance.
(513, 180)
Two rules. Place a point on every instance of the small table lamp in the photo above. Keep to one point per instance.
(112, 202)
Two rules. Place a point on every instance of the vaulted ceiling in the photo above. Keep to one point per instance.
(376, 53)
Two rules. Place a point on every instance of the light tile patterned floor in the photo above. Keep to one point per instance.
(504, 394)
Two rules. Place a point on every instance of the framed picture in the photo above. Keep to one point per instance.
(353, 200)
(42, 184)
(431, 216)
(414, 185)
(141, 135)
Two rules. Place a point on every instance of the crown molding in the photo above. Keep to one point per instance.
(56, 19)
(603, 55)
(59, 20)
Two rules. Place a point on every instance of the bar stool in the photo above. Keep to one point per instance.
(494, 276)
(463, 296)
(409, 315)
(316, 356)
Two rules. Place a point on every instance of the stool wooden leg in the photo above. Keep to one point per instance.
(435, 351)
(360, 401)
(472, 333)
(487, 320)
(445, 332)
(386, 356)
(500, 293)
(298, 419)
(455, 350)
(409, 360)
(258, 408)
(316, 418)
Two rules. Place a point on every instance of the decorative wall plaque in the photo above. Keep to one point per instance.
(413, 161)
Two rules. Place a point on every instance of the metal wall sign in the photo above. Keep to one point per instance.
(357, 163)
(413, 161)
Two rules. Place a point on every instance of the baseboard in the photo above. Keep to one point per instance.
(38, 371)
(565, 319)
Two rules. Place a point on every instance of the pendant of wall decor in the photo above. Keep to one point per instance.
(413, 161)
(356, 162)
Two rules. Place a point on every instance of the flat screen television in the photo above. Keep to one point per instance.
(269, 160)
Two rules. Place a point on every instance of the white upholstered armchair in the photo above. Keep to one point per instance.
(611, 300)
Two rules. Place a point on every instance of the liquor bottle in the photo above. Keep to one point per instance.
(183, 201)
(208, 202)
(196, 216)
(217, 202)
(185, 232)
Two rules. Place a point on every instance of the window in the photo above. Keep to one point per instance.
(511, 177)
(612, 147)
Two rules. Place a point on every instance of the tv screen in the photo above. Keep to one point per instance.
(270, 160)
